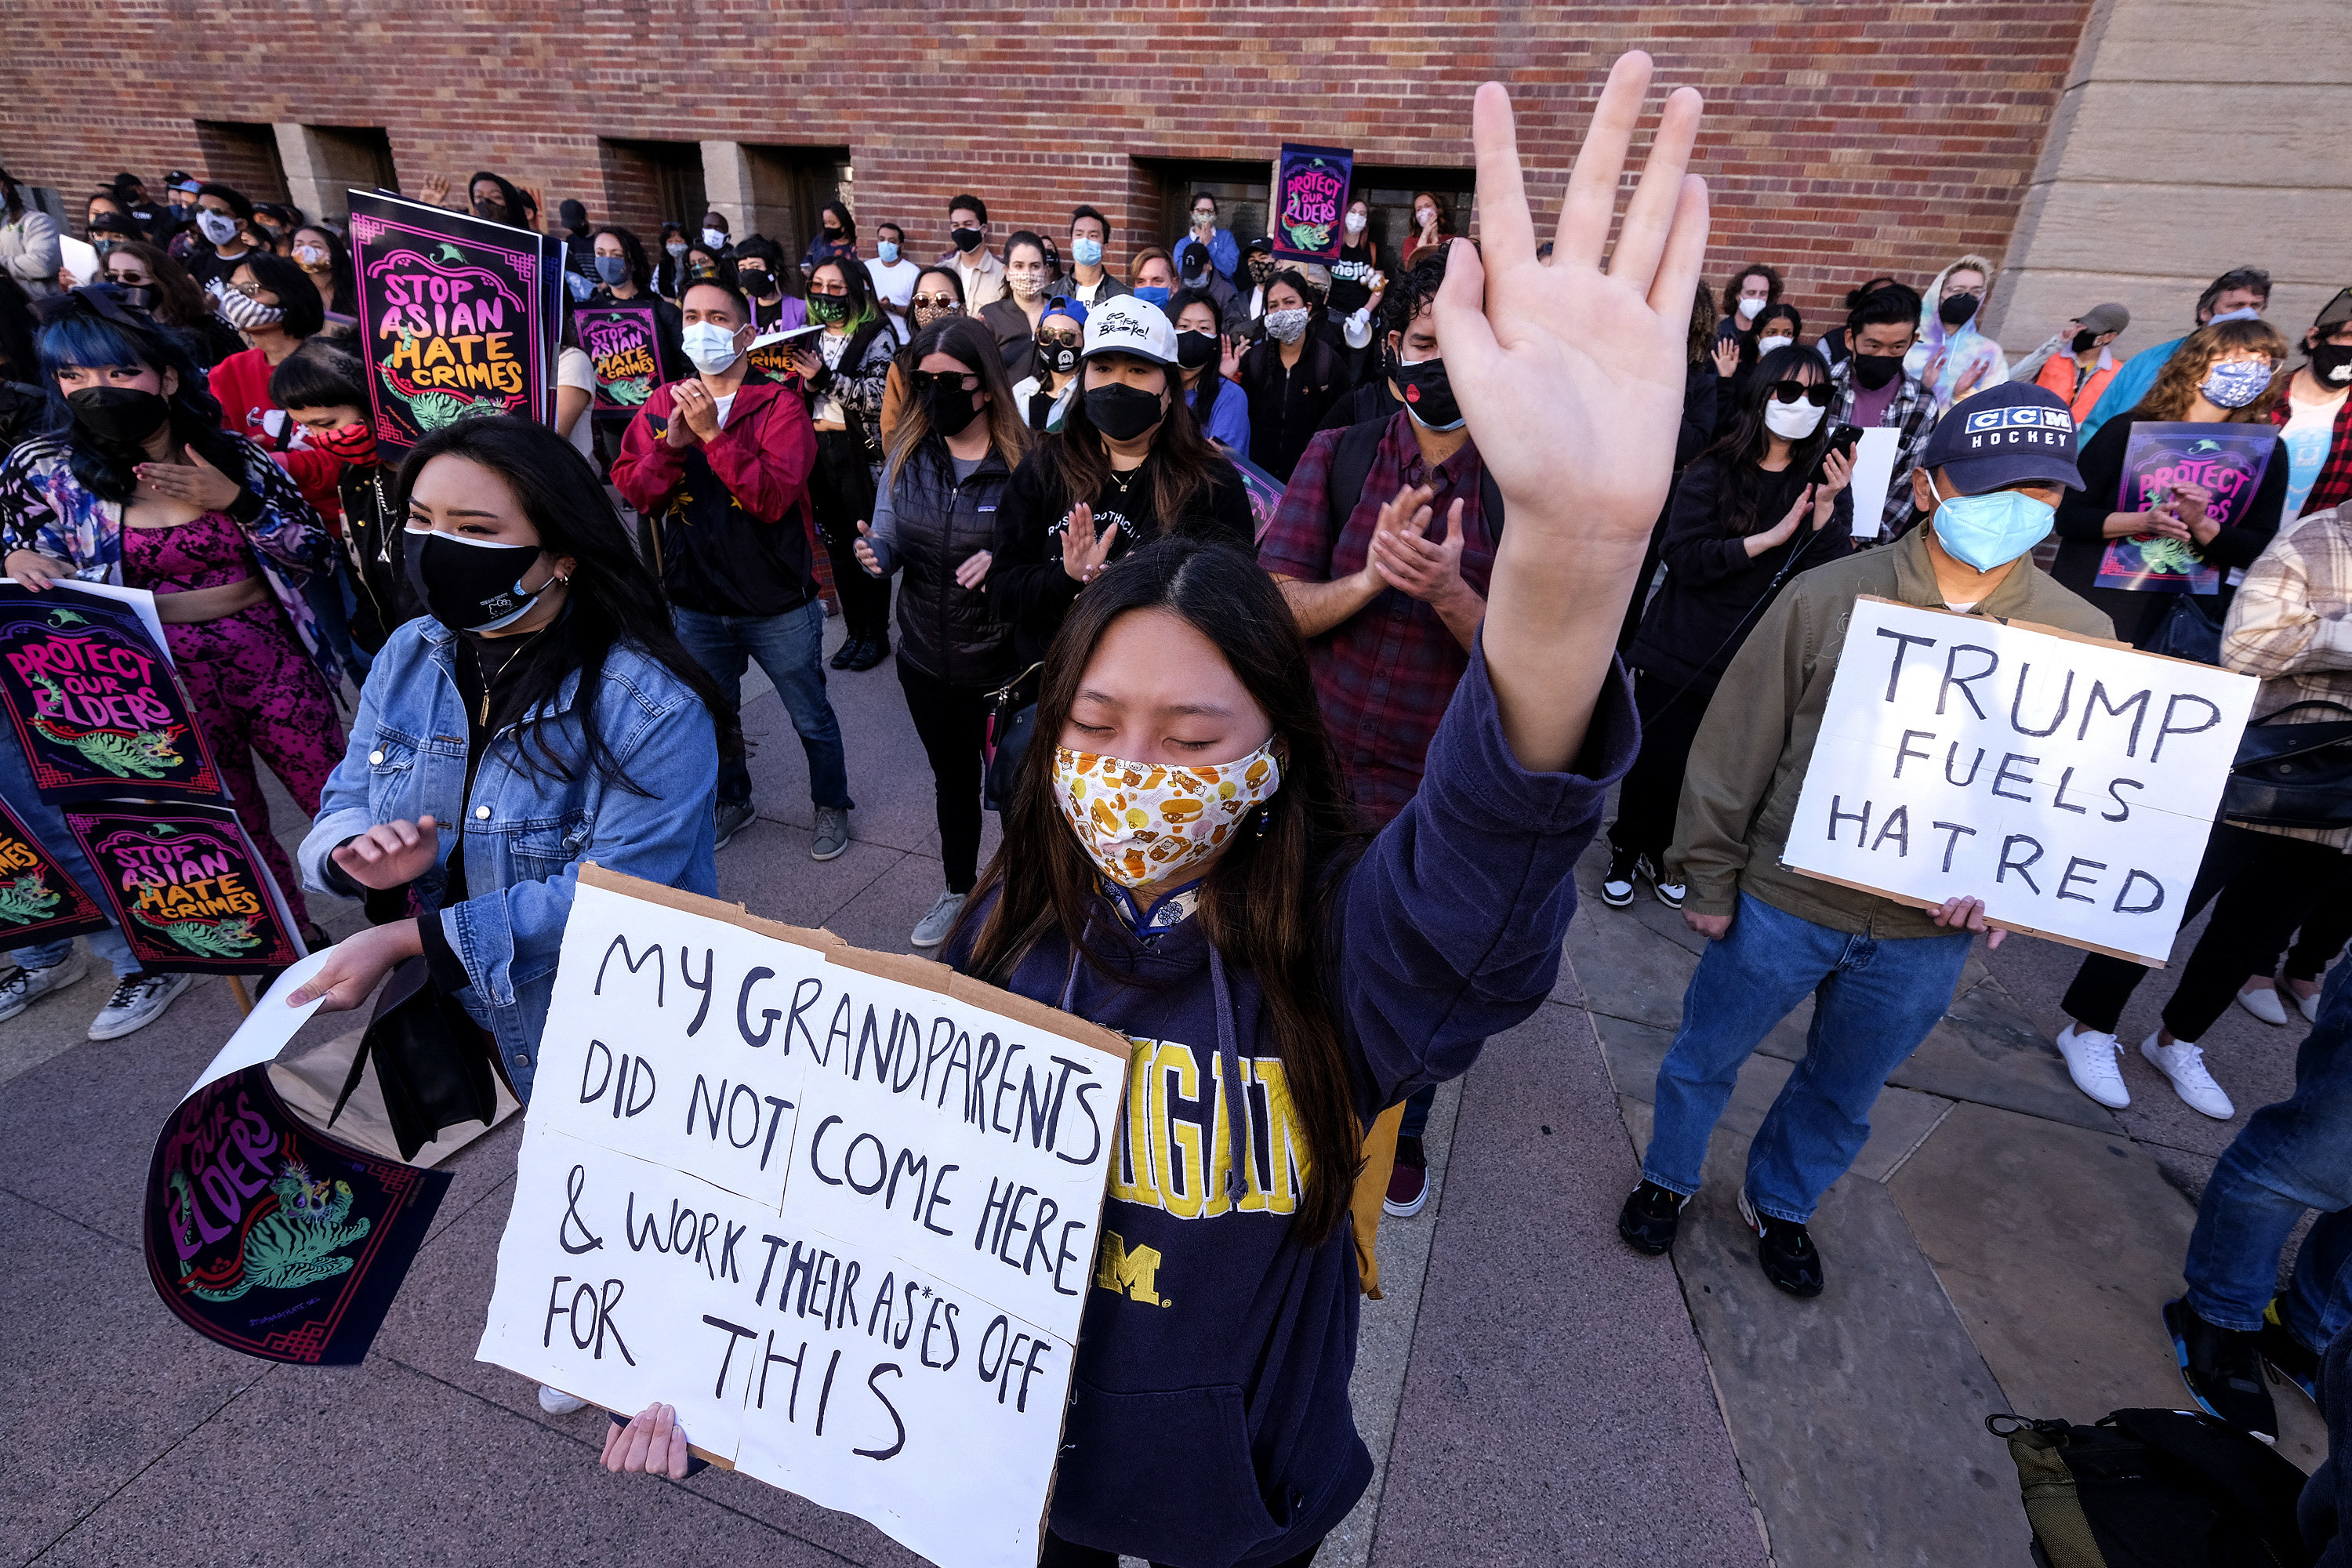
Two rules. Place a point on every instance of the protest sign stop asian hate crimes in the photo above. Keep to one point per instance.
(840, 1208)
(2069, 784)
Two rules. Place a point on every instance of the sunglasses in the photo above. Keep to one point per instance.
(1059, 340)
(1818, 392)
(131, 279)
(938, 302)
(945, 380)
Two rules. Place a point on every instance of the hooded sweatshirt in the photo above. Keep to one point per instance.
(1209, 1424)
(1943, 357)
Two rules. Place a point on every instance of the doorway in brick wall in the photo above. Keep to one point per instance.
(1389, 190)
(1241, 188)
(649, 183)
(346, 158)
(243, 155)
(788, 185)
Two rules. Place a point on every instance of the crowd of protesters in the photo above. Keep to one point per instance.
(1218, 514)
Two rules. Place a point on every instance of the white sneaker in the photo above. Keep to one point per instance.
(933, 927)
(138, 1001)
(2093, 1062)
(555, 1402)
(2309, 1006)
(2184, 1064)
(23, 987)
(2262, 1001)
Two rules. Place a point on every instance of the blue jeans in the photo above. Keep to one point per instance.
(1874, 999)
(1416, 1112)
(2291, 1156)
(46, 822)
(789, 648)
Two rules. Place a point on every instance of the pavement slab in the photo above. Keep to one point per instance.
(1554, 1376)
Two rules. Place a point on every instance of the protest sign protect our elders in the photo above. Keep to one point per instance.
(2069, 784)
(839, 1207)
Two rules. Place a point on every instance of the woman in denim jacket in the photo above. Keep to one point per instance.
(541, 714)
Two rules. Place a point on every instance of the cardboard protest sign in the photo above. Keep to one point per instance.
(2228, 460)
(1310, 202)
(186, 887)
(840, 1208)
(264, 1234)
(624, 346)
(39, 902)
(92, 696)
(454, 318)
(2069, 784)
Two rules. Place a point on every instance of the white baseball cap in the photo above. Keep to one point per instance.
(1128, 325)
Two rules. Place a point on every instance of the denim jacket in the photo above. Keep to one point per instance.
(525, 832)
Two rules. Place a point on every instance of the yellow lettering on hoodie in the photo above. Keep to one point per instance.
(1174, 1150)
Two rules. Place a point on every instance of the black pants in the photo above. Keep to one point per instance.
(952, 722)
(1654, 785)
(2326, 929)
(1060, 1554)
(841, 489)
(2267, 884)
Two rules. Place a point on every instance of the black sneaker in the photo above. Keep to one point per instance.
(845, 652)
(1669, 891)
(1617, 885)
(1786, 1251)
(868, 654)
(2223, 1369)
(2289, 1357)
(1649, 1218)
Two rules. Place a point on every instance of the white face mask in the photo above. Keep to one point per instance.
(1424, 216)
(1791, 421)
(1286, 326)
(716, 238)
(711, 347)
(1355, 223)
(1766, 345)
(218, 227)
(1750, 309)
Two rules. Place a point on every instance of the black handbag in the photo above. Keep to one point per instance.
(1011, 715)
(430, 1061)
(2190, 630)
(2292, 775)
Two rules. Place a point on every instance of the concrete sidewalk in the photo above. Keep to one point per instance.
(1534, 1392)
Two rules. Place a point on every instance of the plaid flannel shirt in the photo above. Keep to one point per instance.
(2334, 485)
(2288, 627)
(1385, 676)
(1912, 410)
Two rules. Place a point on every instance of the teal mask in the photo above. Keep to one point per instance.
(1990, 530)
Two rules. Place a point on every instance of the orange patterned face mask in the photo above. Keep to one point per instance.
(1144, 823)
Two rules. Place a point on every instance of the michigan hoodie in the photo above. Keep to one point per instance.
(1209, 1424)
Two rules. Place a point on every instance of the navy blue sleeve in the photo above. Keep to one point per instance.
(1449, 929)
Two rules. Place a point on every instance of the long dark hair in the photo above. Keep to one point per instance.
(1264, 903)
(970, 345)
(339, 266)
(865, 318)
(613, 600)
(632, 251)
(669, 270)
(520, 208)
(1746, 443)
(297, 296)
(78, 331)
(178, 302)
(848, 224)
(1077, 464)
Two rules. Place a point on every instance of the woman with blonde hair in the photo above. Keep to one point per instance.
(956, 443)
(2224, 374)
(1953, 357)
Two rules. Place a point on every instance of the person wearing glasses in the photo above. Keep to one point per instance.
(937, 294)
(1953, 357)
(1768, 501)
(1040, 397)
(151, 282)
(950, 458)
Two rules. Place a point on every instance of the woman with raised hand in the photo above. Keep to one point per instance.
(1247, 920)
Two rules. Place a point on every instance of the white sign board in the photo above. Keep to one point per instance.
(838, 1207)
(2069, 784)
(1873, 476)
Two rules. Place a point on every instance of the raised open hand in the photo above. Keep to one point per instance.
(1570, 375)
(1083, 552)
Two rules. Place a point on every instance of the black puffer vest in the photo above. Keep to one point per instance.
(944, 630)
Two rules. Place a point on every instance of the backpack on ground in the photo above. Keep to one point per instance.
(2154, 1489)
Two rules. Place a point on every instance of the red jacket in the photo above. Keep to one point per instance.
(762, 455)
(241, 384)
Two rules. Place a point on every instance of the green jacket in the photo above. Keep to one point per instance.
(1747, 766)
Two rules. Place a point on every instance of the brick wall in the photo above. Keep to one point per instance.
(1843, 139)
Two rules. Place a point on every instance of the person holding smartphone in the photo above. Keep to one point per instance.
(1768, 501)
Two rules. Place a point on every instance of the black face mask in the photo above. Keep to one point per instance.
(119, 418)
(1123, 413)
(966, 240)
(1194, 349)
(1874, 371)
(949, 409)
(1429, 393)
(494, 211)
(2084, 340)
(2331, 364)
(1055, 359)
(1261, 269)
(1957, 310)
(470, 587)
(756, 282)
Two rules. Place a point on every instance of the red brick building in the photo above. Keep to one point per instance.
(1841, 138)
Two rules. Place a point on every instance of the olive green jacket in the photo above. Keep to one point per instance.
(1747, 766)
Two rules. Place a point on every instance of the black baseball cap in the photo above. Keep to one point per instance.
(2007, 435)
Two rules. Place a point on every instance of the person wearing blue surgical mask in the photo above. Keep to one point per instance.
(1776, 937)
(624, 276)
(893, 277)
(1089, 281)
(2222, 373)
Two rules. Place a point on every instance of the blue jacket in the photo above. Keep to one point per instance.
(1209, 1423)
(2131, 383)
(525, 832)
